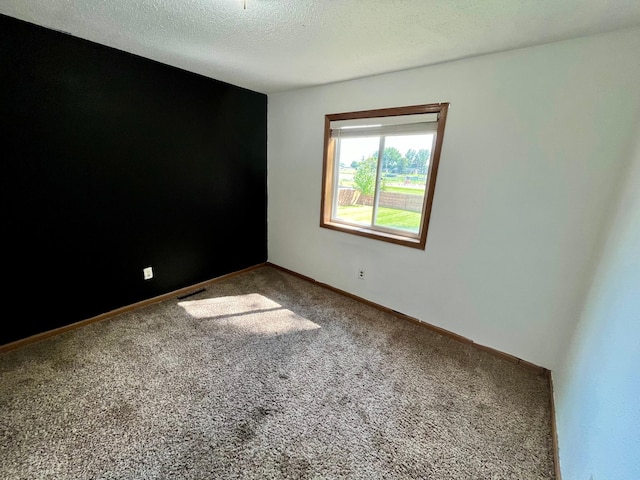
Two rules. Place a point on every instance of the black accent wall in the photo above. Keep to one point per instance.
(111, 163)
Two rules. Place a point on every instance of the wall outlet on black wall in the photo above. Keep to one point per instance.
(147, 273)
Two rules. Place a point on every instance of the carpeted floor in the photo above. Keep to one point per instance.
(265, 375)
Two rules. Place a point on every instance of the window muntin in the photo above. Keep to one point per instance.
(390, 199)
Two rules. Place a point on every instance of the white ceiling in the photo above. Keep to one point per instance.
(276, 45)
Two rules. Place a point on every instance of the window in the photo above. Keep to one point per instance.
(379, 172)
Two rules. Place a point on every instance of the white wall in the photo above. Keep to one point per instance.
(598, 387)
(534, 145)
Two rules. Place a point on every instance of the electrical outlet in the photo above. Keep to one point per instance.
(361, 274)
(147, 273)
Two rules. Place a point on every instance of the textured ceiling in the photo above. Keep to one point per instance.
(276, 45)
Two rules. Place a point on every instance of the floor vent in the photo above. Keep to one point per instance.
(195, 292)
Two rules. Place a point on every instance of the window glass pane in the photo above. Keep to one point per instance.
(357, 164)
(405, 164)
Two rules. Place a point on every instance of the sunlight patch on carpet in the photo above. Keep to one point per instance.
(252, 313)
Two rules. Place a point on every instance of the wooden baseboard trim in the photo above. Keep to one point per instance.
(177, 293)
(505, 356)
(554, 432)
(183, 291)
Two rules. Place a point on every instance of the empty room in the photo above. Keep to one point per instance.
(278, 239)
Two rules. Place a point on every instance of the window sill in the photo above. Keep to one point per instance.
(376, 234)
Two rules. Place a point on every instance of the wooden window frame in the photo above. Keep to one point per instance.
(328, 175)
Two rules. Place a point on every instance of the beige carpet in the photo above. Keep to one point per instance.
(265, 375)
